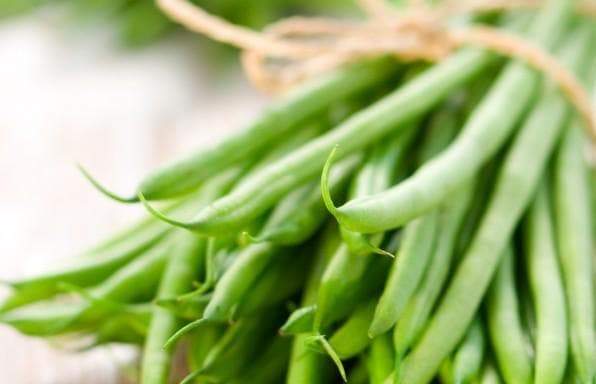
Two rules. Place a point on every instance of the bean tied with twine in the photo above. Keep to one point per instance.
(296, 48)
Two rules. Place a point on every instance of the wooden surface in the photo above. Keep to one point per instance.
(70, 97)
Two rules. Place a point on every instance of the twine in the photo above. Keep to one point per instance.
(294, 49)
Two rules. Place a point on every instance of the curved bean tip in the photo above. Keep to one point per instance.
(325, 191)
(382, 252)
(161, 216)
(103, 190)
(322, 340)
(183, 331)
(192, 376)
(373, 330)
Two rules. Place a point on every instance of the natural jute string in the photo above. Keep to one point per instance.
(296, 48)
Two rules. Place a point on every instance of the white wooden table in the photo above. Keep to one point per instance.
(77, 97)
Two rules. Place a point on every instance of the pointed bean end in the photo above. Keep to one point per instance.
(183, 331)
(103, 190)
(161, 216)
(326, 193)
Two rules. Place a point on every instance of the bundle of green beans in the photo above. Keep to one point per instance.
(384, 223)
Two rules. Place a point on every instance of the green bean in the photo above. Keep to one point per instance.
(59, 317)
(576, 252)
(55, 318)
(220, 254)
(43, 319)
(269, 367)
(298, 202)
(351, 338)
(182, 267)
(441, 131)
(245, 270)
(299, 214)
(377, 174)
(280, 281)
(111, 256)
(390, 114)
(406, 272)
(235, 282)
(490, 374)
(347, 270)
(188, 307)
(237, 348)
(272, 127)
(143, 274)
(307, 366)
(83, 271)
(418, 309)
(380, 359)
(311, 130)
(252, 260)
(547, 291)
(484, 186)
(528, 317)
(358, 374)
(516, 183)
(247, 286)
(133, 230)
(442, 128)
(446, 371)
(300, 320)
(504, 324)
(200, 343)
(485, 132)
(417, 245)
(467, 360)
(593, 200)
(129, 327)
(341, 292)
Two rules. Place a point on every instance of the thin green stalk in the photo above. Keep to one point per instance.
(182, 268)
(508, 337)
(468, 357)
(307, 366)
(380, 359)
(548, 294)
(576, 252)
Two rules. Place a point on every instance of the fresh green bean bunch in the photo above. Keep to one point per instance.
(439, 228)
